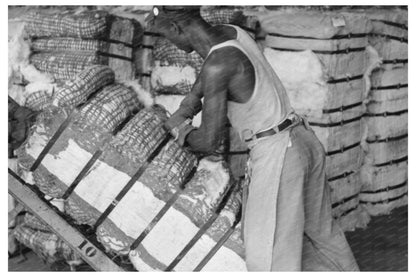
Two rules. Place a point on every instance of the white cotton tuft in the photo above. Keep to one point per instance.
(220, 177)
(40, 86)
(18, 56)
(31, 74)
(19, 48)
(144, 96)
(172, 102)
(168, 76)
(373, 61)
(302, 75)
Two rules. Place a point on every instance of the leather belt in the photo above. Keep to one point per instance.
(282, 126)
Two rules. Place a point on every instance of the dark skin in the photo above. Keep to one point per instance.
(227, 75)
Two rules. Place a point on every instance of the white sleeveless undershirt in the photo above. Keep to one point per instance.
(269, 104)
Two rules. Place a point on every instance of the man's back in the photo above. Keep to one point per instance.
(256, 98)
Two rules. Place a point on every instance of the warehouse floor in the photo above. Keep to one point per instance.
(382, 246)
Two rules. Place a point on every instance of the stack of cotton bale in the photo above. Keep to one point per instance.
(65, 43)
(27, 86)
(56, 47)
(384, 174)
(116, 169)
(321, 59)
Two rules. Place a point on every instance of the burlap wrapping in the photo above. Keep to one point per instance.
(88, 24)
(66, 65)
(47, 245)
(38, 100)
(168, 54)
(35, 223)
(68, 44)
(76, 91)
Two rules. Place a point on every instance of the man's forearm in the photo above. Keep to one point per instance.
(191, 104)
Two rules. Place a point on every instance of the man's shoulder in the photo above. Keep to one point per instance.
(225, 58)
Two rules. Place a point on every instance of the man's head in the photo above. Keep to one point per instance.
(174, 22)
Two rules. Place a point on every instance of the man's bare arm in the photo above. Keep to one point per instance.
(189, 107)
(214, 80)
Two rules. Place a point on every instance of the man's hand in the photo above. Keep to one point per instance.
(189, 107)
(180, 132)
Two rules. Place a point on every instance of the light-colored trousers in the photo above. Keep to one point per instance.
(306, 237)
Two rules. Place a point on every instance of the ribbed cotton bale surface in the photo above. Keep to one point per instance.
(384, 174)
(88, 81)
(123, 155)
(339, 129)
(67, 42)
(66, 65)
(170, 55)
(345, 200)
(87, 24)
(317, 24)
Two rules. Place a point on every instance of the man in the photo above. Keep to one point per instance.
(287, 214)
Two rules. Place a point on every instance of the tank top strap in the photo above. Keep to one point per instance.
(231, 42)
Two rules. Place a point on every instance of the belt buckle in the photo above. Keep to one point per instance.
(248, 135)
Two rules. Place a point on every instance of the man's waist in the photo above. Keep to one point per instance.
(291, 120)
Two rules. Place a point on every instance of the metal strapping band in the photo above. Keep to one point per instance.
(346, 79)
(162, 211)
(104, 54)
(347, 36)
(397, 86)
(385, 113)
(328, 52)
(395, 61)
(131, 182)
(343, 149)
(342, 122)
(145, 74)
(387, 139)
(130, 45)
(395, 24)
(82, 174)
(230, 153)
(396, 161)
(220, 243)
(342, 108)
(58, 133)
(203, 229)
(52, 141)
(346, 212)
(386, 201)
(91, 162)
(401, 39)
(147, 33)
(147, 46)
(349, 198)
(385, 189)
(343, 175)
